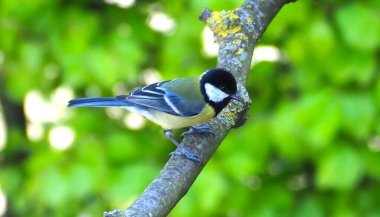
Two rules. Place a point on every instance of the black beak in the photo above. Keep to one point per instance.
(237, 97)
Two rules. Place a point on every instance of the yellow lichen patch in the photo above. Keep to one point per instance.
(243, 38)
(237, 41)
(249, 20)
(224, 23)
(240, 51)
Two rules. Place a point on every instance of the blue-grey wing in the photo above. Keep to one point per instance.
(184, 95)
(182, 105)
(154, 96)
(149, 97)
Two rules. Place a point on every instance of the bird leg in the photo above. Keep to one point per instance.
(181, 151)
(199, 130)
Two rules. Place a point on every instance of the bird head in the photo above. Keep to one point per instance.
(218, 87)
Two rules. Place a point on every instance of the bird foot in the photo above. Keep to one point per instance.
(183, 152)
(198, 130)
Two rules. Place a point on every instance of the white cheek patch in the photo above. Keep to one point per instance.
(214, 94)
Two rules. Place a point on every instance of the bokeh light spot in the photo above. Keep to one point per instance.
(61, 137)
(2, 57)
(34, 131)
(121, 3)
(210, 47)
(134, 121)
(161, 22)
(3, 203)
(3, 131)
(151, 76)
(267, 53)
(374, 144)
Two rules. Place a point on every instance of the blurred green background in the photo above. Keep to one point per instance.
(311, 146)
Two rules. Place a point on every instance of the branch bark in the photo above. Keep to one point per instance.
(237, 32)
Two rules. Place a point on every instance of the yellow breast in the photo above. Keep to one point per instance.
(169, 122)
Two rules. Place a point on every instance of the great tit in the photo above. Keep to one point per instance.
(183, 102)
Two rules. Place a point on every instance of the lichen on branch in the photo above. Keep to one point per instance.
(223, 23)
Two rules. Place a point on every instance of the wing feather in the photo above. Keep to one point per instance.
(165, 97)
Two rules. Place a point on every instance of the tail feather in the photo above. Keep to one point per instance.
(97, 102)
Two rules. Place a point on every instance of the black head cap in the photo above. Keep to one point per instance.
(219, 79)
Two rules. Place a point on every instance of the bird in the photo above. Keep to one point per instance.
(175, 104)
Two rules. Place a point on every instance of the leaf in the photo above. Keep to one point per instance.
(359, 26)
(339, 169)
(311, 123)
(372, 162)
(358, 114)
(128, 181)
(52, 187)
(309, 207)
(83, 176)
(347, 66)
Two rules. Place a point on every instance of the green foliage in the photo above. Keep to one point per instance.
(339, 162)
(310, 147)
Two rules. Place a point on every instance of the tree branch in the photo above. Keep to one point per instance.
(237, 32)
